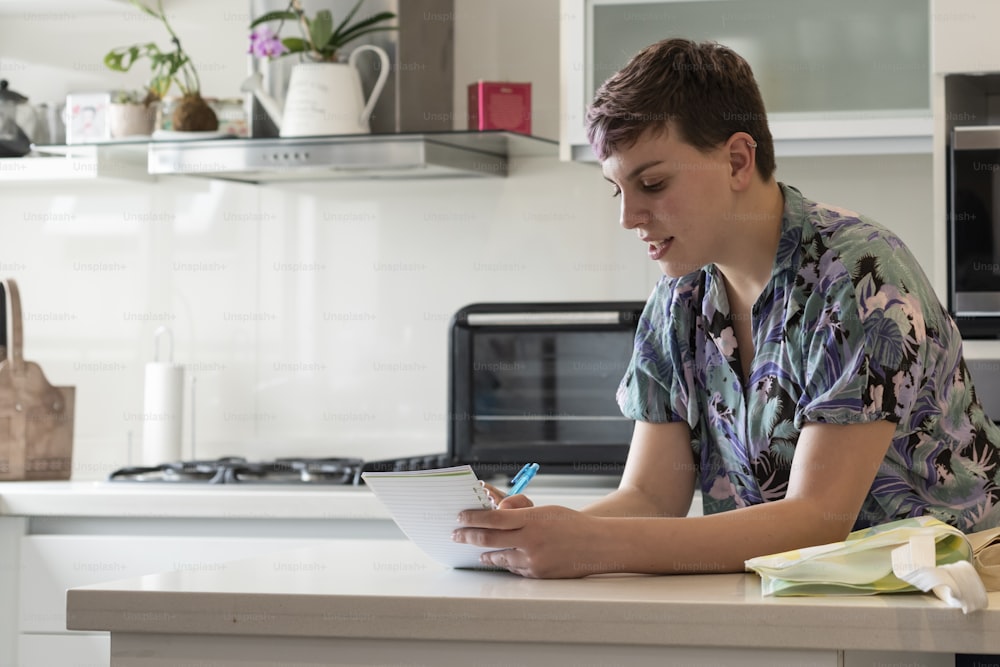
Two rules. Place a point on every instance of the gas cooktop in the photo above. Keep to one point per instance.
(238, 470)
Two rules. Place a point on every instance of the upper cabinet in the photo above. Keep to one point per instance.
(851, 77)
(965, 36)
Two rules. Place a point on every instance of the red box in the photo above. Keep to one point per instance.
(495, 105)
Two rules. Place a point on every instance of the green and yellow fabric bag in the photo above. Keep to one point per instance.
(918, 553)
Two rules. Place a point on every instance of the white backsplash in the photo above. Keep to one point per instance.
(312, 319)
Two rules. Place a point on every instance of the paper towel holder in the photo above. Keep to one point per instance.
(160, 330)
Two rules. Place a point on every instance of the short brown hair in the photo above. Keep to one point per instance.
(706, 89)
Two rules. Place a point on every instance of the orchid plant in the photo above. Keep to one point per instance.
(320, 40)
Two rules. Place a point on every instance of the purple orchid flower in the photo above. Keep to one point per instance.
(264, 43)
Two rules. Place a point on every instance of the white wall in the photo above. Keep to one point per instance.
(895, 190)
(314, 317)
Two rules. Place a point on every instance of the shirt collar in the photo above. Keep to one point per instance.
(787, 257)
(792, 221)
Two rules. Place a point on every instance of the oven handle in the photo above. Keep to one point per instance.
(518, 319)
(985, 137)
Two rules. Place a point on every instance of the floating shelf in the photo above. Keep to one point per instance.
(284, 160)
(78, 163)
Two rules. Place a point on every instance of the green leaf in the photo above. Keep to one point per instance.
(321, 29)
(122, 59)
(355, 35)
(359, 28)
(274, 16)
(113, 61)
(347, 19)
(295, 44)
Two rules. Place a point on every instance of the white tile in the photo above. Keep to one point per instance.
(312, 318)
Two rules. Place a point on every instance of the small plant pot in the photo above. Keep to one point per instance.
(132, 120)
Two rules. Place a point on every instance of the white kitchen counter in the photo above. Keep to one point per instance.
(384, 602)
(235, 501)
(60, 535)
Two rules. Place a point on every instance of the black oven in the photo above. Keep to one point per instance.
(974, 230)
(537, 382)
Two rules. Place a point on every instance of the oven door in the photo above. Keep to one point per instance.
(536, 382)
(974, 229)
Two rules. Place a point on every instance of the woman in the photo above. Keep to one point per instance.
(793, 359)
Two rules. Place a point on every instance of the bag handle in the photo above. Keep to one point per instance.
(3, 324)
(14, 334)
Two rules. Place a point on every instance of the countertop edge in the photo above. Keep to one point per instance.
(125, 500)
(430, 603)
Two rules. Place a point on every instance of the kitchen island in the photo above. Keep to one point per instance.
(59, 535)
(384, 602)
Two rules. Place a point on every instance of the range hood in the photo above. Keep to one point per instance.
(300, 159)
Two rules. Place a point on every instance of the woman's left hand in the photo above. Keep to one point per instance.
(549, 542)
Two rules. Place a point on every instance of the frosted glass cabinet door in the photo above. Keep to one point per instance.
(843, 77)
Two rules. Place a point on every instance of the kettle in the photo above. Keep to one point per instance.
(13, 141)
(323, 97)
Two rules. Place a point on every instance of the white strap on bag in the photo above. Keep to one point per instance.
(957, 584)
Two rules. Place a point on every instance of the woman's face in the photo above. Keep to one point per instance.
(677, 198)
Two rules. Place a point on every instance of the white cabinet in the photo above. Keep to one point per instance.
(60, 535)
(965, 36)
(41, 558)
(76, 650)
(837, 78)
(50, 564)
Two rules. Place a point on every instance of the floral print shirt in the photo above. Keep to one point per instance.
(848, 330)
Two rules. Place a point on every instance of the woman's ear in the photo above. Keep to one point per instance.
(742, 159)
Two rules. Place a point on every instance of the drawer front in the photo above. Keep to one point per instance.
(77, 650)
(52, 563)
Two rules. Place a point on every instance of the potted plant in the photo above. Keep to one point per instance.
(324, 95)
(320, 41)
(168, 68)
(132, 113)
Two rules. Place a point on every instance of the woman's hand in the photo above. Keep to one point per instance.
(501, 500)
(549, 542)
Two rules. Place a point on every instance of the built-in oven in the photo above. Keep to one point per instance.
(536, 382)
(974, 230)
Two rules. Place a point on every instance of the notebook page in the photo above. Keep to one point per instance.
(425, 505)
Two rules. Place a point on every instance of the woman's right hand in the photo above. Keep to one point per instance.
(502, 501)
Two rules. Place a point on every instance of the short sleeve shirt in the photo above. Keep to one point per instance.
(848, 330)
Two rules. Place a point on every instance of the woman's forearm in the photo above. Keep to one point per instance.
(629, 501)
(711, 544)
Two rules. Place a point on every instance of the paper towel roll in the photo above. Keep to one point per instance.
(163, 413)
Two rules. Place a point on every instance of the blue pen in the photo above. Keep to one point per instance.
(521, 479)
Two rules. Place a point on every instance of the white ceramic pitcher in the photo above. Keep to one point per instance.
(324, 98)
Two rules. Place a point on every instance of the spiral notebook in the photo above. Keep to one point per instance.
(425, 505)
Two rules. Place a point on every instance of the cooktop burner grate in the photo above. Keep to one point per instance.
(237, 470)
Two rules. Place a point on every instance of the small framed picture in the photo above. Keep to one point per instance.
(87, 117)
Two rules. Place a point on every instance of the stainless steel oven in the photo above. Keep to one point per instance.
(537, 382)
(974, 230)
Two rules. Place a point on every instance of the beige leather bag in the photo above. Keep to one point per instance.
(36, 419)
(986, 556)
